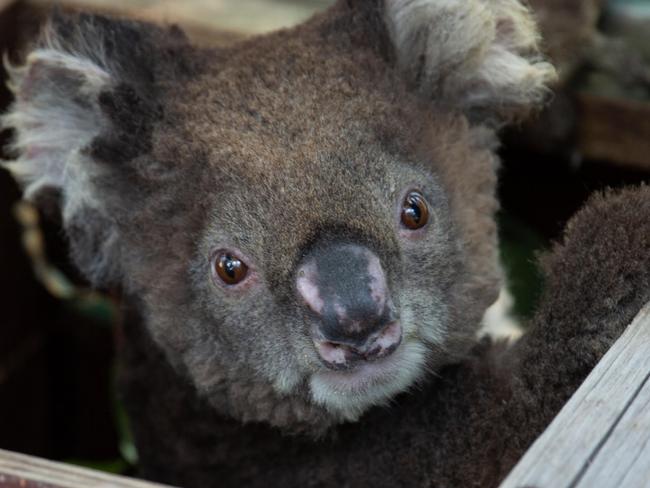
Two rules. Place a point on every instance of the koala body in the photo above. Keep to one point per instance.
(302, 224)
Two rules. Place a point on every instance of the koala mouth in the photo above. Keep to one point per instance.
(364, 374)
(342, 356)
(349, 393)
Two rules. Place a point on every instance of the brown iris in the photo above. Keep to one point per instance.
(415, 212)
(230, 269)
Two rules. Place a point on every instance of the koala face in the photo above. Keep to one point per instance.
(345, 307)
(324, 266)
(303, 220)
(329, 288)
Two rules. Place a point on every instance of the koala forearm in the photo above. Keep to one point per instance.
(596, 282)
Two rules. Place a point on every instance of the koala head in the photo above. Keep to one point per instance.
(304, 220)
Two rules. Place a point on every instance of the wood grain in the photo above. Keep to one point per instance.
(625, 457)
(20, 470)
(242, 16)
(614, 130)
(5, 3)
(600, 438)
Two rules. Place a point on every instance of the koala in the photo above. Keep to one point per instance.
(301, 226)
(305, 218)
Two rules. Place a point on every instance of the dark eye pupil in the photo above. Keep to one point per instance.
(230, 265)
(413, 212)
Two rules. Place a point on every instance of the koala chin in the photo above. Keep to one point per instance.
(349, 394)
(303, 222)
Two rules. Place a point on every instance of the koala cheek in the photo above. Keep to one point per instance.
(413, 236)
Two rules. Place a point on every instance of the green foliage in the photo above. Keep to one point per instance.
(519, 246)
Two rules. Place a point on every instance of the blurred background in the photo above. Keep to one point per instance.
(57, 338)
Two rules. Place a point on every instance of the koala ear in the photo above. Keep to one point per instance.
(84, 105)
(481, 56)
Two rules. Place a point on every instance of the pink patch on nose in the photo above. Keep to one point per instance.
(377, 282)
(341, 313)
(308, 290)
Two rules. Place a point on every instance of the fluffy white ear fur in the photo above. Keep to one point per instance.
(54, 115)
(479, 55)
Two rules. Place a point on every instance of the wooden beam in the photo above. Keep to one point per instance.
(601, 438)
(22, 471)
(241, 16)
(614, 130)
(5, 3)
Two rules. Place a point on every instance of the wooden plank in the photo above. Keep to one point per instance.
(20, 470)
(639, 474)
(7, 481)
(593, 432)
(242, 16)
(614, 130)
(624, 459)
(5, 3)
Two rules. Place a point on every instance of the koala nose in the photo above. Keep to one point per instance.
(345, 286)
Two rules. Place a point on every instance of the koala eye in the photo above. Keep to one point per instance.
(415, 212)
(229, 268)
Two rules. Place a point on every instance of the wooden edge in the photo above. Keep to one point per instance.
(5, 3)
(206, 23)
(614, 130)
(201, 34)
(21, 470)
(568, 448)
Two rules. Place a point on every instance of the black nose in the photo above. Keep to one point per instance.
(345, 286)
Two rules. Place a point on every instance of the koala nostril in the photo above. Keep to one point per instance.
(389, 338)
(340, 354)
(332, 353)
